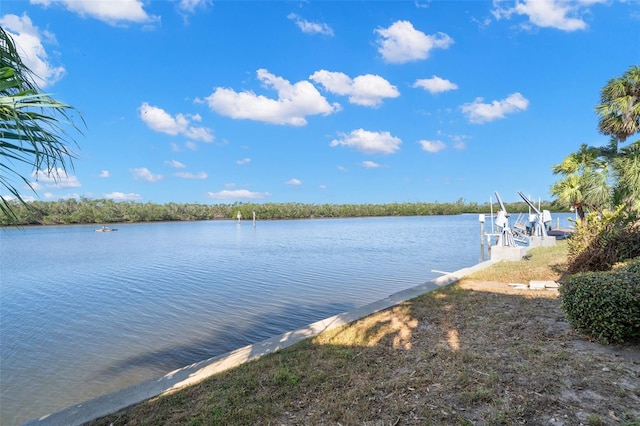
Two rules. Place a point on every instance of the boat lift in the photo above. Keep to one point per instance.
(505, 236)
(538, 221)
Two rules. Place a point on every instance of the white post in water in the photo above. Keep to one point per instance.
(239, 216)
(254, 219)
(481, 219)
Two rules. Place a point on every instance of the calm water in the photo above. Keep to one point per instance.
(84, 313)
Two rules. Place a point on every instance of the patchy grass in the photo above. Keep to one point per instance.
(545, 263)
(478, 352)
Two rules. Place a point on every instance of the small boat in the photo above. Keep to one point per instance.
(106, 229)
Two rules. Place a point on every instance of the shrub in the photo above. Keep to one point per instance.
(603, 240)
(604, 305)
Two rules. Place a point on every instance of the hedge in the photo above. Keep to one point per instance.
(604, 305)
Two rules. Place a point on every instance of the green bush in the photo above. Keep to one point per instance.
(604, 305)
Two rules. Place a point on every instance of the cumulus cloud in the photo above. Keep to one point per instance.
(190, 6)
(112, 12)
(401, 43)
(189, 175)
(366, 90)
(459, 141)
(121, 196)
(293, 182)
(244, 161)
(311, 27)
(143, 173)
(57, 178)
(29, 42)
(370, 164)
(432, 146)
(227, 194)
(294, 102)
(369, 142)
(560, 14)
(160, 121)
(104, 174)
(27, 198)
(175, 164)
(435, 84)
(479, 112)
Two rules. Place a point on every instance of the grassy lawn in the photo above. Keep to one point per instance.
(478, 352)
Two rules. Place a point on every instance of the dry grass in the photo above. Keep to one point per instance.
(479, 352)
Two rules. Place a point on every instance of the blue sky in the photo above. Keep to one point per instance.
(322, 101)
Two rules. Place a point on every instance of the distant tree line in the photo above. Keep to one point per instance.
(99, 211)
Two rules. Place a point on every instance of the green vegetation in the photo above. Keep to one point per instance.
(605, 305)
(32, 126)
(603, 240)
(72, 211)
(605, 182)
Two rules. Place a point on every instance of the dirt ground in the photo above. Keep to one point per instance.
(593, 384)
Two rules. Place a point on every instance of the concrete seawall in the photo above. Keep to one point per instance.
(194, 373)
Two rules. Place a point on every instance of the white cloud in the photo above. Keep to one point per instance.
(28, 39)
(560, 14)
(432, 146)
(311, 27)
(159, 120)
(459, 145)
(435, 84)
(105, 174)
(27, 198)
(227, 194)
(122, 196)
(189, 175)
(370, 164)
(244, 161)
(175, 164)
(369, 142)
(190, 6)
(293, 182)
(145, 174)
(479, 112)
(57, 178)
(402, 43)
(365, 90)
(110, 11)
(294, 102)
(459, 141)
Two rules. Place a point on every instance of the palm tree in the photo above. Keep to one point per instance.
(626, 169)
(585, 183)
(32, 125)
(619, 110)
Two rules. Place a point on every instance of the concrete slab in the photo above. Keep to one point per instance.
(536, 241)
(539, 285)
(110, 403)
(508, 253)
(536, 285)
